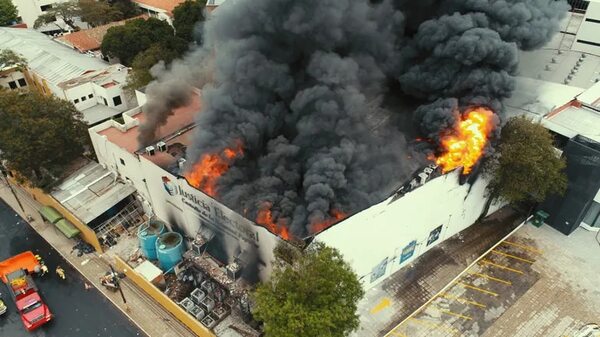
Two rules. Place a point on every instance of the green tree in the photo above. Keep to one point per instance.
(97, 13)
(127, 8)
(140, 67)
(185, 17)
(39, 135)
(315, 295)
(127, 41)
(9, 58)
(526, 167)
(67, 11)
(8, 13)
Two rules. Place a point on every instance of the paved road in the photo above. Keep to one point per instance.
(78, 312)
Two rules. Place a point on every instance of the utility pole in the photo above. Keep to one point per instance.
(5, 175)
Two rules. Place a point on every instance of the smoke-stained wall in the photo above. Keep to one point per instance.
(188, 210)
(295, 81)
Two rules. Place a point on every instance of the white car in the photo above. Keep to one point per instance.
(589, 330)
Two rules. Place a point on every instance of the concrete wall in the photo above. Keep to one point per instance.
(376, 239)
(162, 299)
(588, 35)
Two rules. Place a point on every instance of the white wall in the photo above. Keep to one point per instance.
(589, 31)
(29, 10)
(384, 230)
(13, 76)
(81, 94)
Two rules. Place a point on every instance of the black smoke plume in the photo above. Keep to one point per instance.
(300, 84)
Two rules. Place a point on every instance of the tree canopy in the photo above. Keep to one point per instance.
(67, 11)
(97, 13)
(185, 17)
(9, 58)
(39, 135)
(136, 36)
(140, 67)
(127, 8)
(527, 166)
(8, 13)
(310, 294)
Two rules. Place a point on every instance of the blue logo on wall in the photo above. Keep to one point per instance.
(169, 186)
(408, 251)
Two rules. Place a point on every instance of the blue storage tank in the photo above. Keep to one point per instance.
(169, 249)
(147, 234)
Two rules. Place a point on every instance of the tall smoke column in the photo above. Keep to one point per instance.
(295, 82)
(465, 52)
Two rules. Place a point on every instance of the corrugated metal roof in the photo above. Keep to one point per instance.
(48, 59)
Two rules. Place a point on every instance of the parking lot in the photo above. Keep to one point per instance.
(516, 289)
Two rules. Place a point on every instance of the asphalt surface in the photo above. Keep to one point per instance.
(77, 312)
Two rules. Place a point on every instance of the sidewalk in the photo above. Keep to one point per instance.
(142, 310)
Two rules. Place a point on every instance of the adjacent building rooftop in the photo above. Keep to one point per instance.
(90, 39)
(90, 191)
(54, 62)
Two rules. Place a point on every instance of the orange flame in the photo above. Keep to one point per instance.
(336, 215)
(265, 218)
(206, 173)
(464, 145)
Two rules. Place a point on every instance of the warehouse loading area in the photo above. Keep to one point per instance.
(536, 282)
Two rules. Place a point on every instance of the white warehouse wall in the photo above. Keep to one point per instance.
(377, 236)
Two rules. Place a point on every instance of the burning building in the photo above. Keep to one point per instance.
(297, 121)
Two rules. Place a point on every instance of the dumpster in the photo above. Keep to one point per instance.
(539, 218)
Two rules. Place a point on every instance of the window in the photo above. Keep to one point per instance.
(105, 102)
(76, 100)
(122, 161)
(45, 7)
(117, 100)
(90, 95)
(22, 82)
(379, 270)
(83, 98)
(434, 235)
(12, 84)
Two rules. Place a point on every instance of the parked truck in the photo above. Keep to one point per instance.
(15, 272)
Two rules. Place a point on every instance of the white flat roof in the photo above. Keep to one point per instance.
(536, 98)
(591, 96)
(573, 121)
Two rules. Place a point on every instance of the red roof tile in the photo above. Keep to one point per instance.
(167, 5)
(91, 39)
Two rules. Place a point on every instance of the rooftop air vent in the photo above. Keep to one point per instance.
(150, 150)
(162, 146)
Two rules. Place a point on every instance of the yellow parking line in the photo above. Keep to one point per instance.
(491, 278)
(399, 334)
(501, 266)
(520, 245)
(477, 288)
(512, 256)
(462, 300)
(447, 312)
(439, 326)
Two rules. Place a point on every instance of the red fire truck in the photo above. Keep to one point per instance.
(15, 272)
(33, 311)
